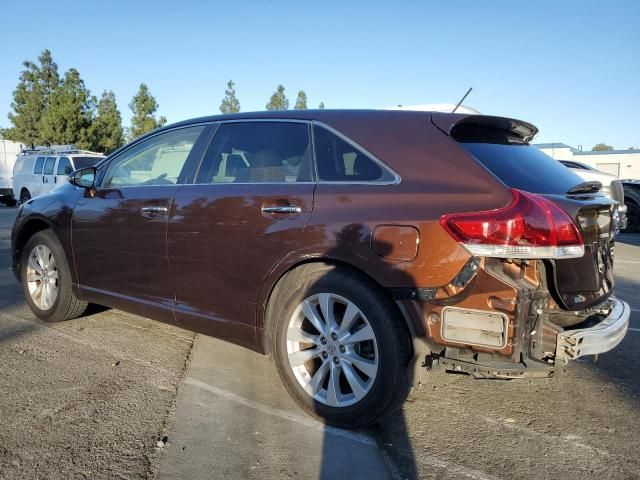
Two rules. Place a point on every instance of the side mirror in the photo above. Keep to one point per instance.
(84, 178)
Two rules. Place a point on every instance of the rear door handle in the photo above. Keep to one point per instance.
(283, 209)
(154, 212)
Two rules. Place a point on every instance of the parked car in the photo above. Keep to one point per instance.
(39, 171)
(632, 201)
(611, 185)
(349, 245)
(8, 152)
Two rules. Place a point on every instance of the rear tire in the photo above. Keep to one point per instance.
(25, 196)
(354, 376)
(11, 202)
(46, 279)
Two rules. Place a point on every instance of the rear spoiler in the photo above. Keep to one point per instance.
(449, 122)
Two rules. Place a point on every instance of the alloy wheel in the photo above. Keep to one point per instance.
(42, 277)
(332, 350)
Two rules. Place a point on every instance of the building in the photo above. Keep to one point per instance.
(624, 164)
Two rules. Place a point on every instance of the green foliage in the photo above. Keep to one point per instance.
(144, 105)
(230, 103)
(278, 100)
(31, 98)
(601, 147)
(69, 115)
(301, 101)
(106, 132)
(321, 106)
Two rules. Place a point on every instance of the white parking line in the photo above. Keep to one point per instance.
(627, 261)
(427, 460)
(633, 329)
(276, 412)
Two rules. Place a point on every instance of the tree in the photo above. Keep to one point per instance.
(278, 100)
(230, 103)
(301, 101)
(321, 106)
(31, 98)
(69, 113)
(144, 105)
(106, 132)
(601, 147)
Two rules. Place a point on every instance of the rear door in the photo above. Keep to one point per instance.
(251, 199)
(578, 282)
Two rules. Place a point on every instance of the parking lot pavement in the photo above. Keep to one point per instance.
(83, 398)
(68, 408)
(234, 420)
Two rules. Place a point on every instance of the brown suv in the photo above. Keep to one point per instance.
(349, 245)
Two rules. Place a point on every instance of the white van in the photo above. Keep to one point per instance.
(39, 171)
(8, 152)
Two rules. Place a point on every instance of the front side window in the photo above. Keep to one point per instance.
(49, 165)
(84, 162)
(258, 152)
(64, 166)
(158, 160)
(39, 164)
(340, 161)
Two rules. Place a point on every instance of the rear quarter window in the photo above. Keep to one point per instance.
(523, 167)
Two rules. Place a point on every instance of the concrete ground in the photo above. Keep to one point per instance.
(91, 397)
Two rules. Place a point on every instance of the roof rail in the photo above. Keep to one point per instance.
(57, 150)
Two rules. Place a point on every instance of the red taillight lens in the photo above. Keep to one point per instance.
(530, 227)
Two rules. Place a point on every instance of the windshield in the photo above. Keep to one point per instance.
(524, 167)
(84, 162)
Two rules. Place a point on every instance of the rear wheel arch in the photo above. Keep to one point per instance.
(307, 266)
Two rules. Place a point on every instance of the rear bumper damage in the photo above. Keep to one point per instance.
(498, 319)
(598, 338)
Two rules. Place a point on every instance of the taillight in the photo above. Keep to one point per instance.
(530, 227)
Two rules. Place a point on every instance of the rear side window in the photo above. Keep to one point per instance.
(258, 152)
(516, 163)
(64, 166)
(340, 161)
(49, 165)
(39, 164)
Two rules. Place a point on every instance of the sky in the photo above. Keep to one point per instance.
(572, 68)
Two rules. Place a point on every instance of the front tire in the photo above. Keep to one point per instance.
(340, 345)
(25, 196)
(46, 279)
(633, 218)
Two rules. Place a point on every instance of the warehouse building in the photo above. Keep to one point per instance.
(622, 163)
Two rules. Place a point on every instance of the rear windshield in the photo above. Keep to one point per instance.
(83, 162)
(524, 167)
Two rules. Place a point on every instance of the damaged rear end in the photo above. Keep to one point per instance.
(537, 290)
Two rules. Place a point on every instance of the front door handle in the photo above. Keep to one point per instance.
(283, 209)
(154, 212)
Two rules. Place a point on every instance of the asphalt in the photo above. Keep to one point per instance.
(68, 410)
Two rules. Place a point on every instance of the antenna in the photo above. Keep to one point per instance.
(462, 100)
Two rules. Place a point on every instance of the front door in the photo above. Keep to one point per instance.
(119, 234)
(247, 208)
(63, 170)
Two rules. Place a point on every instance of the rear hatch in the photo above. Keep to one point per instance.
(501, 145)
